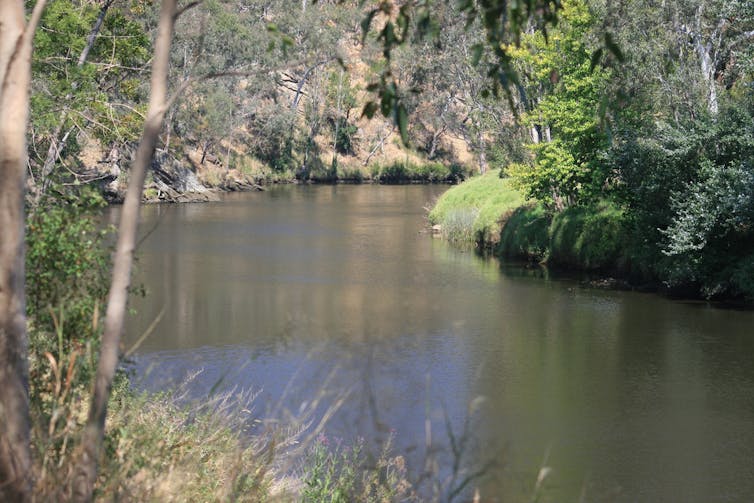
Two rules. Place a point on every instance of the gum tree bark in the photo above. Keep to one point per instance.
(85, 471)
(16, 37)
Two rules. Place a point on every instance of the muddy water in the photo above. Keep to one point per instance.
(623, 396)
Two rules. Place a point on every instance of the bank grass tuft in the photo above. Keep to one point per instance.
(472, 211)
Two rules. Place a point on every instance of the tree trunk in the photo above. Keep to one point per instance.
(85, 473)
(15, 76)
(482, 151)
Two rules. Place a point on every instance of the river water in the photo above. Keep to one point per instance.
(301, 291)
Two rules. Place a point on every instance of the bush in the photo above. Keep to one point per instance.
(407, 172)
(67, 280)
(67, 266)
(393, 173)
(340, 475)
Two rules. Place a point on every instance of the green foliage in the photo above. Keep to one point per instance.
(88, 93)
(67, 279)
(688, 189)
(341, 99)
(399, 172)
(502, 21)
(273, 139)
(331, 476)
(67, 265)
(344, 139)
(569, 169)
(458, 225)
(710, 239)
(590, 238)
(351, 175)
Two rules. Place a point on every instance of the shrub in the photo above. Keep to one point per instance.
(67, 265)
(393, 173)
(341, 475)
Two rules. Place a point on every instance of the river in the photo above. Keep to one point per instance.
(300, 290)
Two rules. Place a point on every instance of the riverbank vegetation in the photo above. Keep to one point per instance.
(473, 210)
(641, 169)
(616, 152)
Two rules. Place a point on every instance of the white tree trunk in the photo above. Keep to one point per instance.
(15, 77)
(85, 473)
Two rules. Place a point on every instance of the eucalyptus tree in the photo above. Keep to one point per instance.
(565, 89)
(16, 38)
(90, 447)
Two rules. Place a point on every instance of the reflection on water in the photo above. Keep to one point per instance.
(628, 397)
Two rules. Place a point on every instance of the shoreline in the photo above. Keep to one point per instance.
(596, 242)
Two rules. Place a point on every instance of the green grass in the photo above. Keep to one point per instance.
(483, 202)
(488, 211)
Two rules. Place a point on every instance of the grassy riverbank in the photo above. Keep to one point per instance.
(599, 237)
(489, 212)
(473, 210)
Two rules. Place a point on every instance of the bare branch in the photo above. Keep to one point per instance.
(186, 7)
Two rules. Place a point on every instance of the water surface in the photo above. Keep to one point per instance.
(625, 396)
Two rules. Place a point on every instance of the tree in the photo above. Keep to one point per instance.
(566, 90)
(85, 474)
(86, 71)
(16, 36)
